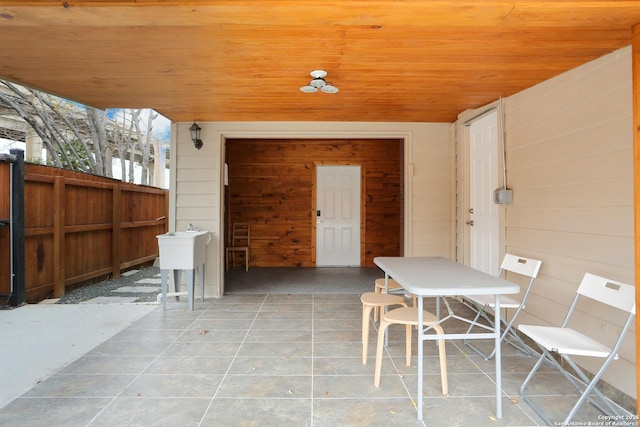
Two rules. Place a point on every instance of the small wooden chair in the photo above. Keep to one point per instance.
(240, 242)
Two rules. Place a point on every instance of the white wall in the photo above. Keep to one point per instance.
(196, 176)
(569, 162)
(430, 226)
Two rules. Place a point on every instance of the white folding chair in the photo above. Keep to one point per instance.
(523, 266)
(565, 342)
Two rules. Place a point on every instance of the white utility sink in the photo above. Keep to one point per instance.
(182, 250)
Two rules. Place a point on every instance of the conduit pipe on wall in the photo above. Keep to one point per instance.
(502, 195)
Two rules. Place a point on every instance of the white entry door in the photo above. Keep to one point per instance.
(484, 214)
(338, 216)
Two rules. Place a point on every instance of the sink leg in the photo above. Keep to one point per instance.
(190, 287)
(201, 274)
(164, 279)
(177, 281)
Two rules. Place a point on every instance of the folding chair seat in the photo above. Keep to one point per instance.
(409, 316)
(514, 264)
(566, 342)
(370, 301)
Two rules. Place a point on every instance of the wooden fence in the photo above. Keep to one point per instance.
(79, 227)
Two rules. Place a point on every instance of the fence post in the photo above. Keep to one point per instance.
(116, 231)
(18, 296)
(59, 260)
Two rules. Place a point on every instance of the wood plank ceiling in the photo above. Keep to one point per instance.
(230, 60)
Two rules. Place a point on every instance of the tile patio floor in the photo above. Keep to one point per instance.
(276, 359)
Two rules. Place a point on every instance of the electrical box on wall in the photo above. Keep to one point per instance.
(502, 196)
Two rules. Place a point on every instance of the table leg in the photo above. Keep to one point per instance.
(498, 358)
(385, 308)
(420, 353)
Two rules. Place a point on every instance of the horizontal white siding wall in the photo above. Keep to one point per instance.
(196, 190)
(433, 190)
(195, 196)
(569, 162)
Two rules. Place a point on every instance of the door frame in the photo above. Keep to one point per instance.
(363, 206)
(218, 133)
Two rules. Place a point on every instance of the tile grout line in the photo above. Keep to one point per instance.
(224, 377)
(136, 377)
(313, 330)
(486, 374)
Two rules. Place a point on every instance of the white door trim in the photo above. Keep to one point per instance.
(217, 134)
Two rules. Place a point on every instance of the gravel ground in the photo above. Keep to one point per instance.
(135, 286)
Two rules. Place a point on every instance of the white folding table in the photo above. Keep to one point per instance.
(440, 277)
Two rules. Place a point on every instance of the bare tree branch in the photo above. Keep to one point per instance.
(81, 137)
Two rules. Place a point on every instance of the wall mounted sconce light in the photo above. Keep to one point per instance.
(195, 135)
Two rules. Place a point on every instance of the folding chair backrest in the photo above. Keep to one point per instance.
(517, 264)
(525, 267)
(616, 294)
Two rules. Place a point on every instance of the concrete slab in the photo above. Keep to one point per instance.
(36, 340)
(150, 280)
(138, 289)
(110, 300)
(129, 273)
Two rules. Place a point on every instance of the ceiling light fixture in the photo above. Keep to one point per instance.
(195, 135)
(319, 82)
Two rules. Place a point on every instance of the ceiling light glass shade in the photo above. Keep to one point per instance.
(317, 83)
(195, 131)
(308, 89)
(329, 88)
(318, 74)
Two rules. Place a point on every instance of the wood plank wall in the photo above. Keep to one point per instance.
(271, 187)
